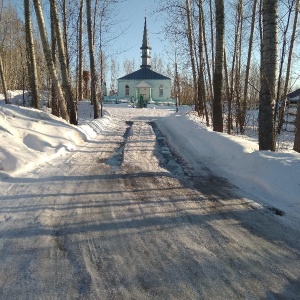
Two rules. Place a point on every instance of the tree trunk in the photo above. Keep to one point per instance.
(32, 71)
(207, 57)
(212, 36)
(202, 61)
(229, 102)
(48, 58)
(65, 34)
(80, 53)
(176, 83)
(282, 58)
(191, 48)
(3, 81)
(234, 84)
(238, 89)
(268, 75)
(92, 60)
(66, 84)
(54, 99)
(288, 71)
(219, 62)
(243, 113)
(101, 80)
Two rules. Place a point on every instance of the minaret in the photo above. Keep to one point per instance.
(145, 49)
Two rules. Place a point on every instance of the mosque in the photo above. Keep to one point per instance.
(145, 85)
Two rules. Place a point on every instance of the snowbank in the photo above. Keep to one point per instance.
(30, 137)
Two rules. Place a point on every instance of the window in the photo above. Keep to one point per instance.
(127, 90)
(161, 90)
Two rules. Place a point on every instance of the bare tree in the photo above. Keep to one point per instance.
(54, 99)
(80, 52)
(13, 47)
(204, 61)
(128, 66)
(113, 76)
(157, 64)
(288, 71)
(243, 112)
(66, 83)
(65, 33)
(92, 60)
(212, 36)
(282, 59)
(32, 69)
(268, 75)
(228, 95)
(190, 36)
(48, 57)
(207, 62)
(219, 63)
(235, 70)
(3, 81)
(201, 67)
(1, 68)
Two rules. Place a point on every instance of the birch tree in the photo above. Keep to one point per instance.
(54, 99)
(190, 36)
(13, 47)
(207, 61)
(80, 52)
(3, 80)
(66, 83)
(113, 76)
(65, 33)
(268, 75)
(297, 132)
(288, 71)
(32, 69)
(219, 63)
(243, 112)
(282, 59)
(2, 77)
(212, 36)
(92, 59)
(48, 57)
(128, 66)
(234, 73)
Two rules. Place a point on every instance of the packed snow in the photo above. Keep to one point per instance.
(30, 137)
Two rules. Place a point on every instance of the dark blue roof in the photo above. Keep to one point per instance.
(144, 74)
(294, 94)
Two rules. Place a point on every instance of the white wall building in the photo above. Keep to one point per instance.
(145, 85)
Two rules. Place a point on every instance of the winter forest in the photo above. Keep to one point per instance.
(227, 59)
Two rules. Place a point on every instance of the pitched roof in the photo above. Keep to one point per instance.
(143, 84)
(294, 94)
(144, 74)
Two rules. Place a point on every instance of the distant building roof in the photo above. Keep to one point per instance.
(144, 74)
(294, 94)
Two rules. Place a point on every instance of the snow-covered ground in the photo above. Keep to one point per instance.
(30, 137)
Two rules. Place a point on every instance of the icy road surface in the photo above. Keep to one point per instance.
(122, 218)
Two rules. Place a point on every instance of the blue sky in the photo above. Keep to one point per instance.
(130, 16)
(133, 12)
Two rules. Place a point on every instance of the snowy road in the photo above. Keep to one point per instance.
(120, 218)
